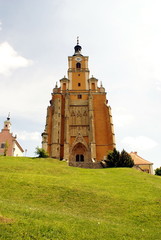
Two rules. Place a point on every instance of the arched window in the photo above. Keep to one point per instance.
(78, 65)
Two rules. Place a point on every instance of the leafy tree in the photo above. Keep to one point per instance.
(41, 153)
(117, 159)
(158, 171)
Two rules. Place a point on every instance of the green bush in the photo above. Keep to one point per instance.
(158, 171)
(125, 159)
(41, 153)
(117, 159)
(113, 158)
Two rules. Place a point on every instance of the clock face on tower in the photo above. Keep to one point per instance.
(78, 59)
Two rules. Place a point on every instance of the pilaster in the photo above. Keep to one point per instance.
(92, 129)
(56, 128)
(66, 133)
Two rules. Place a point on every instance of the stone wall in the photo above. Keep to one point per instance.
(94, 165)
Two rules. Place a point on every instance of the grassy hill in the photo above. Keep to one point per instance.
(46, 199)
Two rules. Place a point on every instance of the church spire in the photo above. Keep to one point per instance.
(77, 40)
(7, 123)
(8, 118)
(77, 48)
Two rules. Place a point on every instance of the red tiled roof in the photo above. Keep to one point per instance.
(138, 160)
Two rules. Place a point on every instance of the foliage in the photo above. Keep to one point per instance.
(158, 171)
(6, 146)
(115, 159)
(125, 159)
(46, 199)
(41, 153)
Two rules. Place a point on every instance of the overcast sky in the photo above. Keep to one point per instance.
(123, 41)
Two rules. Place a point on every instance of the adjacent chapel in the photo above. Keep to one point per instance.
(79, 124)
(7, 138)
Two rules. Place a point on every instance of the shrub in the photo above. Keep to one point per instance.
(158, 171)
(113, 158)
(126, 160)
(117, 159)
(41, 153)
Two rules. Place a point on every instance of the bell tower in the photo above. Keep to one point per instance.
(78, 72)
(79, 124)
(7, 123)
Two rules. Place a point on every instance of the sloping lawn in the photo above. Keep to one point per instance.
(46, 199)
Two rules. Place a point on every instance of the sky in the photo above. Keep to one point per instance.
(123, 41)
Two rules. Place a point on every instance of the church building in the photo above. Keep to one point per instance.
(79, 126)
(8, 143)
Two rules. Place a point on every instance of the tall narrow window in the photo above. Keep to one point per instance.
(64, 86)
(93, 86)
(78, 65)
(81, 158)
(79, 84)
(77, 158)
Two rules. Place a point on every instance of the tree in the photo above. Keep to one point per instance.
(115, 159)
(41, 153)
(125, 159)
(158, 171)
(6, 146)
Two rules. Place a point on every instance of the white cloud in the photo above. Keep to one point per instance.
(158, 85)
(139, 143)
(0, 26)
(10, 59)
(159, 88)
(122, 118)
(32, 136)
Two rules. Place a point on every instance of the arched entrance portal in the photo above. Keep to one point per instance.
(79, 153)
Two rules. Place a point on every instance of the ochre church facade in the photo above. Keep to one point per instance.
(79, 126)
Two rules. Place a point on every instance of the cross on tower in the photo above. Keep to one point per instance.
(77, 40)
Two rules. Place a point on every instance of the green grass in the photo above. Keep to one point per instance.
(46, 199)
